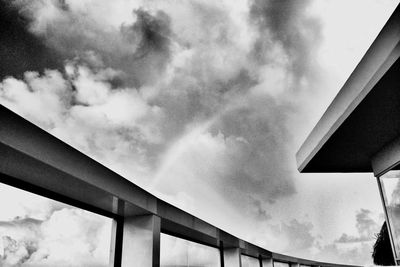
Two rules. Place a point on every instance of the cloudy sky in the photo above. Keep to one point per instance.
(202, 103)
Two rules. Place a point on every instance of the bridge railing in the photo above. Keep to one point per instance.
(33, 160)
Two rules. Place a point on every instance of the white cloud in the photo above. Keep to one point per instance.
(42, 232)
(40, 98)
(73, 234)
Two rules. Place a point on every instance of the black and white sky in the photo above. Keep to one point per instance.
(203, 103)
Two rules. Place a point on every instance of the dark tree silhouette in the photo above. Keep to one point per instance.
(382, 253)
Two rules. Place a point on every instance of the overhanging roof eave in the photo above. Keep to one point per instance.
(381, 55)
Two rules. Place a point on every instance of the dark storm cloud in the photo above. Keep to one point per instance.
(141, 49)
(286, 22)
(21, 50)
(261, 164)
(151, 35)
(258, 164)
(152, 31)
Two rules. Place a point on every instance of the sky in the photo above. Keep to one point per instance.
(202, 103)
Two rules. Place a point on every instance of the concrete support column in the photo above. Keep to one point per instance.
(267, 263)
(141, 241)
(116, 243)
(232, 257)
(260, 261)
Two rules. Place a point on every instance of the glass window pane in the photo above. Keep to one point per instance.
(37, 231)
(176, 252)
(391, 192)
(249, 261)
(281, 264)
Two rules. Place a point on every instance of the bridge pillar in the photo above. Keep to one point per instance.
(267, 263)
(141, 241)
(232, 257)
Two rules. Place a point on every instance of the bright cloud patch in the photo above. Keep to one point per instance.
(49, 233)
